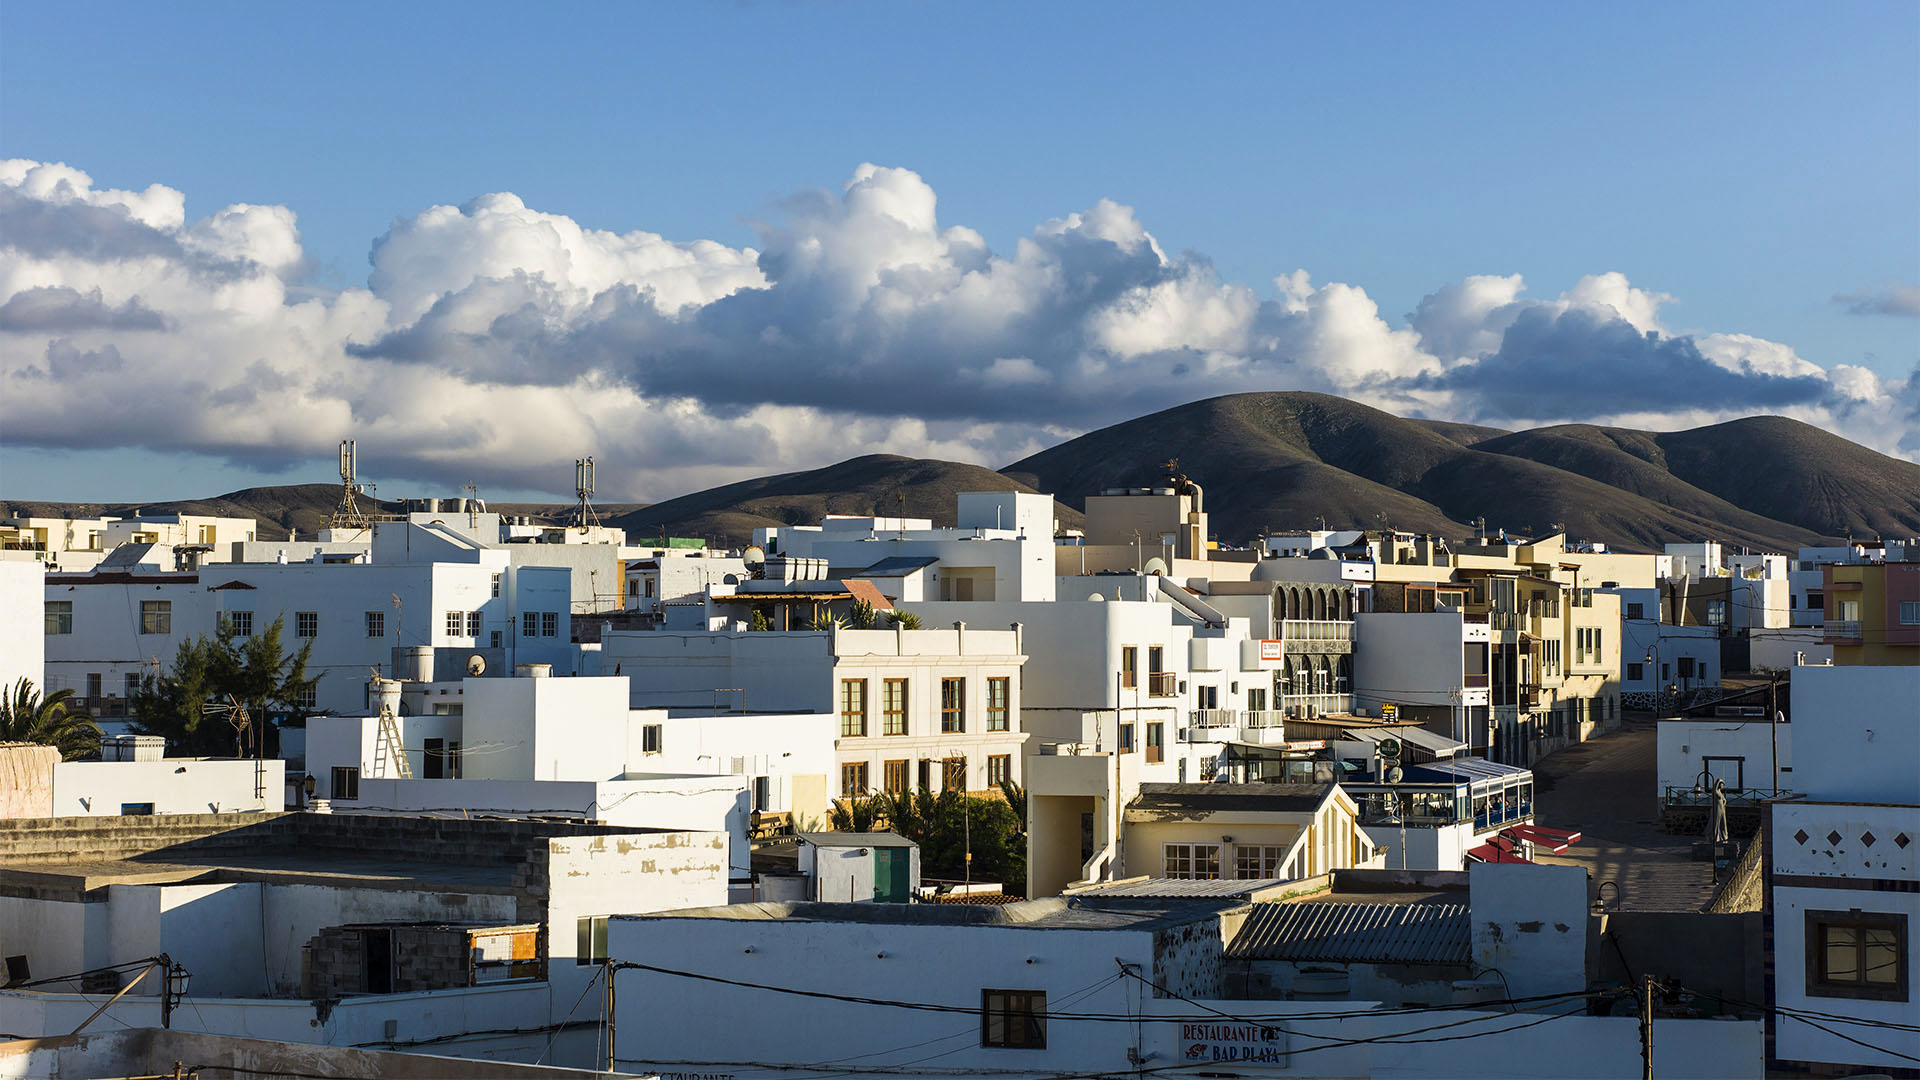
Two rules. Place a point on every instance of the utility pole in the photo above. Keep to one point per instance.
(610, 1016)
(1646, 1027)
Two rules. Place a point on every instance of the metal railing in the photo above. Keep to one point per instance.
(1843, 628)
(1263, 718)
(1163, 684)
(1306, 706)
(1213, 718)
(1315, 630)
(1687, 796)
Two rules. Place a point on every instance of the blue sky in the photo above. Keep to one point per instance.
(1751, 162)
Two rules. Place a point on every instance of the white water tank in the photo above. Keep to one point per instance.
(533, 671)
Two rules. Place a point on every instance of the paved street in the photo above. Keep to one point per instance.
(1605, 788)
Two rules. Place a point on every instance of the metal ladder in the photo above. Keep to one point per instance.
(388, 751)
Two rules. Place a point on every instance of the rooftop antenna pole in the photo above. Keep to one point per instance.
(584, 515)
(347, 514)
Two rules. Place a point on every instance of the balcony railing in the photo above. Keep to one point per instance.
(1315, 630)
(1213, 718)
(1263, 718)
(1307, 706)
(1848, 629)
(1476, 681)
(1163, 684)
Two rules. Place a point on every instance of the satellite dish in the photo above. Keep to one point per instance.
(476, 664)
(754, 555)
(1097, 598)
(1394, 774)
(1156, 566)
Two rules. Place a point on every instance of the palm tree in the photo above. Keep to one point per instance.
(27, 716)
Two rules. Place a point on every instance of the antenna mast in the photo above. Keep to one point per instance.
(348, 515)
(584, 514)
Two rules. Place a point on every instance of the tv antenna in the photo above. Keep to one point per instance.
(348, 515)
(584, 514)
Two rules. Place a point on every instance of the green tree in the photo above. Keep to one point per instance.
(861, 616)
(905, 620)
(257, 672)
(759, 621)
(28, 716)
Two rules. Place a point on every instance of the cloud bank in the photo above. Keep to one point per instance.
(497, 342)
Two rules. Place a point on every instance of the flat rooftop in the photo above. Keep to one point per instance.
(317, 868)
(1053, 913)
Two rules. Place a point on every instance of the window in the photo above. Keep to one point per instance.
(853, 779)
(494, 636)
(953, 706)
(1636, 611)
(893, 777)
(650, 740)
(1636, 672)
(999, 769)
(376, 624)
(93, 685)
(1126, 738)
(1686, 667)
(136, 809)
(997, 694)
(633, 587)
(1193, 862)
(1129, 666)
(853, 708)
(434, 760)
(953, 774)
(59, 616)
(308, 697)
(1156, 659)
(156, 616)
(1254, 861)
(496, 586)
(456, 623)
(1909, 613)
(240, 623)
(1716, 613)
(1156, 743)
(549, 624)
(132, 683)
(893, 707)
(1854, 954)
(1816, 601)
(346, 783)
(762, 794)
(529, 624)
(1014, 1019)
(475, 622)
(649, 588)
(306, 624)
(590, 940)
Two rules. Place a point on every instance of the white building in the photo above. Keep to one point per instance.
(1844, 873)
(68, 545)
(1431, 666)
(1001, 549)
(24, 624)
(426, 590)
(930, 709)
(572, 748)
(135, 777)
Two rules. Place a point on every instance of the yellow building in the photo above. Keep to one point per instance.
(1873, 613)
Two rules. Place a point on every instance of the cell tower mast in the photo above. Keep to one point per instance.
(348, 515)
(584, 514)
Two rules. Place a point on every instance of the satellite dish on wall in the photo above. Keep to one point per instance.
(1156, 566)
(476, 664)
(1394, 774)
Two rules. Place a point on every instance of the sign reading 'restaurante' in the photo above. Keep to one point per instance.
(1207, 1041)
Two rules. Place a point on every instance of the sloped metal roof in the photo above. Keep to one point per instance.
(1172, 888)
(1355, 933)
(898, 565)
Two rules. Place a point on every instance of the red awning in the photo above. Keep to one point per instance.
(1539, 838)
(1488, 853)
(1564, 836)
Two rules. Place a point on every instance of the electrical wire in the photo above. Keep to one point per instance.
(562, 1026)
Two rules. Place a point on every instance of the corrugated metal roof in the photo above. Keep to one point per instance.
(898, 565)
(878, 838)
(1420, 737)
(1355, 933)
(1229, 798)
(1469, 769)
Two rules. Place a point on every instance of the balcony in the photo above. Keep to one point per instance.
(1308, 706)
(1213, 718)
(1843, 629)
(1292, 630)
(1476, 680)
(1163, 684)
(1263, 718)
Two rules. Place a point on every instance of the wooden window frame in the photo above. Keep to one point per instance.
(893, 721)
(901, 767)
(999, 769)
(1013, 1019)
(999, 703)
(953, 706)
(850, 772)
(856, 718)
(1817, 982)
